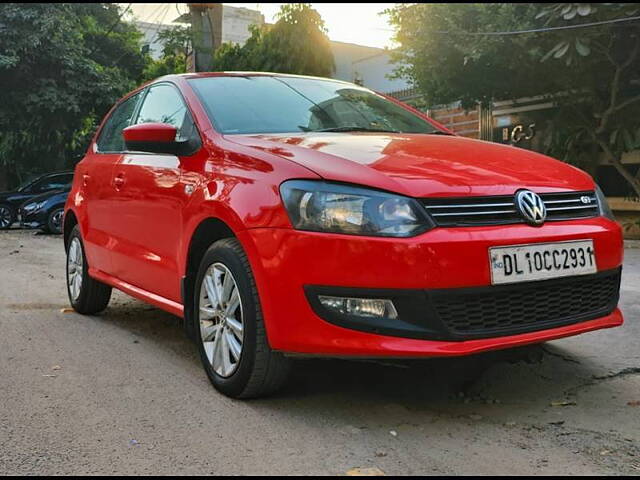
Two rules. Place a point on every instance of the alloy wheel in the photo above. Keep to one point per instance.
(221, 320)
(56, 221)
(5, 217)
(74, 268)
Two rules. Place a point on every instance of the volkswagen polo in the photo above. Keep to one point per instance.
(282, 215)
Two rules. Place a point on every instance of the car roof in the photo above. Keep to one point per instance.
(187, 76)
(246, 74)
(64, 172)
(50, 174)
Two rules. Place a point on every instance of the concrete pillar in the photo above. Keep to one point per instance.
(206, 23)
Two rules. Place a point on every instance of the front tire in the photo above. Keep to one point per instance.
(54, 221)
(229, 327)
(87, 296)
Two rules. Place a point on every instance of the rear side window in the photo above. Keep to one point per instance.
(163, 104)
(110, 139)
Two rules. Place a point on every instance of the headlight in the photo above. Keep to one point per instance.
(328, 207)
(32, 207)
(605, 210)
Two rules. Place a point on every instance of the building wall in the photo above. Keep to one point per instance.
(368, 66)
(374, 70)
(150, 32)
(236, 22)
(344, 54)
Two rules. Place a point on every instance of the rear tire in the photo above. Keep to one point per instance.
(225, 321)
(7, 216)
(87, 296)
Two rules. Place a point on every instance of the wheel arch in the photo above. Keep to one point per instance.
(70, 220)
(208, 231)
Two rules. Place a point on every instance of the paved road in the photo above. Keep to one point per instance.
(124, 392)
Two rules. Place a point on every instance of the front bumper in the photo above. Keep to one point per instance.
(32, 219)
(286, 262)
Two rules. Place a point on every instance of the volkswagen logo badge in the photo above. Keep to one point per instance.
(531, 207)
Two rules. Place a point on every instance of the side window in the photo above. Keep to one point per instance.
(67, 180)
(56, 182)
(38, 186)
(111, 136)
(163, 104)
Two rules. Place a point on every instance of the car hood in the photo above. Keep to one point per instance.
(6, 195)
(46, 196)
(422, 165)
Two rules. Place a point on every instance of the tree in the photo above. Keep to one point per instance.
(64, 66)
(448, 65)
(603, 107)
(297, 43)
(592, 74)
(177, 46)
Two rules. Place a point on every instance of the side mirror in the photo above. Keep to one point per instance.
(155, 138)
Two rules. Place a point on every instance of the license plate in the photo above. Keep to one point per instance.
(541, 261)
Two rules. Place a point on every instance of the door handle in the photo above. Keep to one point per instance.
(118, 181)
(85, 180)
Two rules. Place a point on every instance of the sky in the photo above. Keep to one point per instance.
(346, 22)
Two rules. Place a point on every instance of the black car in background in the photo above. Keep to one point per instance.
(10, 201)
(44, 211)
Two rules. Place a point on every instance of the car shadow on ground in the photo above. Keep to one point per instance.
(533, 374)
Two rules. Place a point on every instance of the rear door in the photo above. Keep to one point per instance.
(149, 201)
(95, 172)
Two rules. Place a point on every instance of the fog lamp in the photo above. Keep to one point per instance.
(360, 307)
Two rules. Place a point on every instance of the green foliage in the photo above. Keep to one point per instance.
(177, 46)
(592, 74)
(448, 65)
(177, 40)
(297, 43)
(62, 66)
(231, 56)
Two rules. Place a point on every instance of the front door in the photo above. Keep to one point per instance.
(149, 199)
(95, 173)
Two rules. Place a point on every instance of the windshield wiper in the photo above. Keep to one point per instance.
(353, 128)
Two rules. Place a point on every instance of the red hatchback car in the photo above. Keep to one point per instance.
(282, 215)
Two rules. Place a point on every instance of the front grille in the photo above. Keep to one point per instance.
(500, 210)
(511, 309)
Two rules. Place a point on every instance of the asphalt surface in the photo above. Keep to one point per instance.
(124, 393)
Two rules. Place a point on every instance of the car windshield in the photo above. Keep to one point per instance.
(279, 104)
(27, 183)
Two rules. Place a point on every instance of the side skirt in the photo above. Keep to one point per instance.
(156, 300)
